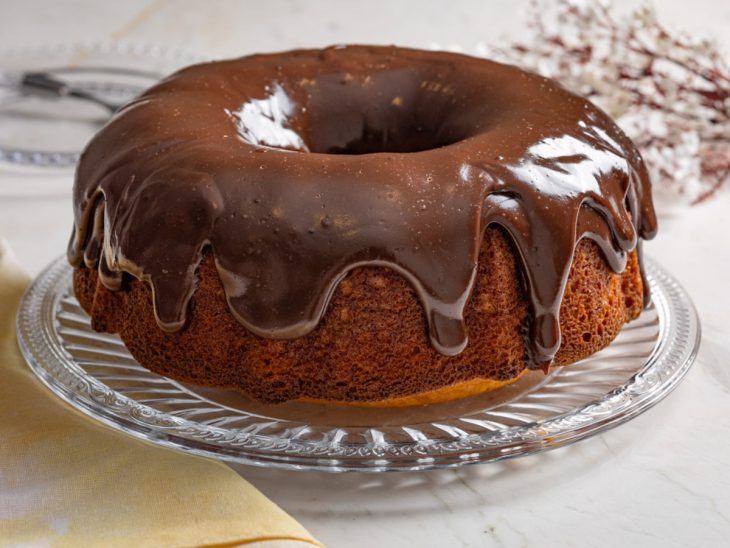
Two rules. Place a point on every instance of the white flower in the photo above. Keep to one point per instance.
(669, 92)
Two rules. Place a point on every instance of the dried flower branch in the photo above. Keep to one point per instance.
(669, 92)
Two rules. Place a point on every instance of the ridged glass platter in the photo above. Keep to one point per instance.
(95, 373)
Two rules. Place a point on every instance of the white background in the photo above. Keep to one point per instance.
(661, 480)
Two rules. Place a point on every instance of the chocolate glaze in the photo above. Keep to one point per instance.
(295, 168)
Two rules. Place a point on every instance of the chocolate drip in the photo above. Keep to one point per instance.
(298, 167)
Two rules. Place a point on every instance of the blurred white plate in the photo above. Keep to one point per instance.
(40, 138)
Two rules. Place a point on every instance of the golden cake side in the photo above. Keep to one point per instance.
(372, 345)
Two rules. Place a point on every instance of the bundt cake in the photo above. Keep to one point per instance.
(360, 225)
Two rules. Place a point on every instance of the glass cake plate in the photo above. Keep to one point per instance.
(95, 373)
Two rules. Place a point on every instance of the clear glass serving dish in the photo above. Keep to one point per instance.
(95, 373)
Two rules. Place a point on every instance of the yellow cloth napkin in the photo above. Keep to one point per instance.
(66, 481)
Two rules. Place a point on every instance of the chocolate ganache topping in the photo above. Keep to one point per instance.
(294, 168)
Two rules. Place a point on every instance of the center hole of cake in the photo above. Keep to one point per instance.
(355, 136)
(396, 111)
(392, 111)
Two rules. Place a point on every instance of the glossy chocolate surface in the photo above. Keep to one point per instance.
(295, 168)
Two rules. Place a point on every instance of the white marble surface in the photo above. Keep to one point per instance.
(660, 480)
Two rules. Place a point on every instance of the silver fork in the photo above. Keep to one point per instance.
(50, 84)
(44, 85)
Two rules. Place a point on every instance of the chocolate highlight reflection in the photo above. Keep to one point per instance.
(294, 169)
